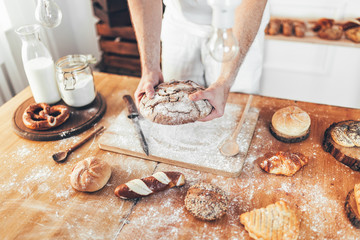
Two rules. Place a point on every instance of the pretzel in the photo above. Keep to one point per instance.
(146, 186)
(40, 116)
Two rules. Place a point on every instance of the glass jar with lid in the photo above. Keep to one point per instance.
(75, 80)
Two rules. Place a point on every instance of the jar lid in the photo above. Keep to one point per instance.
(74, 63)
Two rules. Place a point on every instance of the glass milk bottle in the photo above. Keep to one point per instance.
(75, 80)
(38, 65)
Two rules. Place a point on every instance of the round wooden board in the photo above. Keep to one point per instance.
(80, 120)
(351, 209)
(350, 156)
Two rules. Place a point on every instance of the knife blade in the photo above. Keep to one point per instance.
(134, 116)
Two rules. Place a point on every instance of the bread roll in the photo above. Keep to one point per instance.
(90, 175)
(171, 104)
(206, 201)
(287, 27)
(299, 28)
(290, 124)
(273, 27)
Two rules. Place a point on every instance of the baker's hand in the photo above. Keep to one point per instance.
(146, 85)
(217, 94)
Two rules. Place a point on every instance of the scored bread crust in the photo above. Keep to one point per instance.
(171, 104)
(276, 221)
(90, 175)
(290, 124)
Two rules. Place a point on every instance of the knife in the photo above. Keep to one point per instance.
(134, 116)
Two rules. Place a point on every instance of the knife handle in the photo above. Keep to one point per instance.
(133, 112)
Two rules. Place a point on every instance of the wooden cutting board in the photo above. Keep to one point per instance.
(80, 120)
(195, 145)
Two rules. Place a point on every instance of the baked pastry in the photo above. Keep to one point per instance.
(352, 30)
(284, 163)
(340, 141)
(287, 27)
(90, 175)
(299, 28)
(347, 134)
(206, 201)
(326, 29)
(273, 27)
(40, 116)
(290, 124)
(276, 221)
(357, 196)
(160, 181)
(352, 206)
(171, 104)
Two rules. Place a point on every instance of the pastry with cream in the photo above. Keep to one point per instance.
(290, 124)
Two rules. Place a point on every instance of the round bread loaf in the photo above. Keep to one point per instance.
(90, 175)
(206, 201)
(290, 124)
(171, 104)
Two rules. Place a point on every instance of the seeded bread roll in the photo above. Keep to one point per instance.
(90, 175)
(171, 104)
(290, 124)
(206, 201)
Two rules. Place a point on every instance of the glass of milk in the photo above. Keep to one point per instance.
(39, 65)
(75, 80)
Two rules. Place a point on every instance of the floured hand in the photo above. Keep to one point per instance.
(217, 94)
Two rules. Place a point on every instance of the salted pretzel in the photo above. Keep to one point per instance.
(40, 116)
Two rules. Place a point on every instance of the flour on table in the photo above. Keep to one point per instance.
(193, 143)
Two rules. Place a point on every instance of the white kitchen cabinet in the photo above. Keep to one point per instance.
(321, 73)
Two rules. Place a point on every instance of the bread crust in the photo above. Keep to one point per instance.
(159, 181)
(206, 201)
(290, 125)
(41, 116)
(171, 104)
(284, 163)
(90, 175)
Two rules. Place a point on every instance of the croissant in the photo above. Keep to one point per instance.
(284, 163)
(146, 186)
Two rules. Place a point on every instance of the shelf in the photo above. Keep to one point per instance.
(315, 40)
(311, 37)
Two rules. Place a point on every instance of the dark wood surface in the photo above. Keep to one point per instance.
(80, 120)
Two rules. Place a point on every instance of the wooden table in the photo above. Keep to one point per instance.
(37, 201)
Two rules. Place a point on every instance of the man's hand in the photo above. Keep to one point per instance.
(146, 85)
(217, 94)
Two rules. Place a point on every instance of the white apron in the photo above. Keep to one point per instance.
(185, 31)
